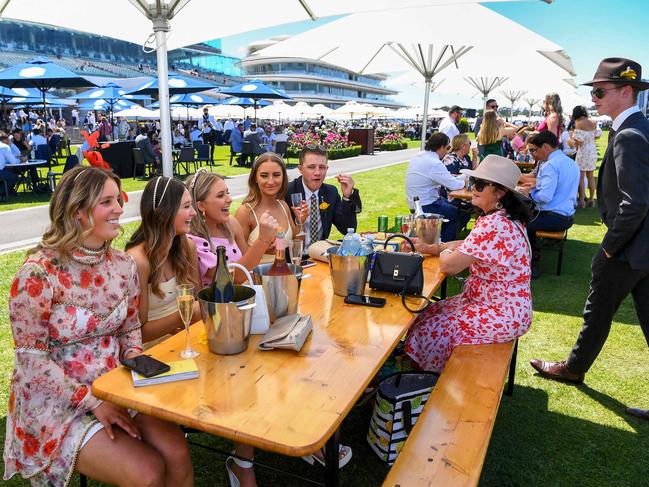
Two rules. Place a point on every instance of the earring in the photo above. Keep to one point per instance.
(499, 205)
(203, 213)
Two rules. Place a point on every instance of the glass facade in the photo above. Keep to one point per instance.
(310, 68)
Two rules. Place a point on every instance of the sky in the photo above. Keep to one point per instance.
(588, 30)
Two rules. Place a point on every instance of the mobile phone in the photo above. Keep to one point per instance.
(146, 365)
(307, 263)
(365, 300)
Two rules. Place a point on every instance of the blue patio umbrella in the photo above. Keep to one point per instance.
(50, 102)
(189, 100)
(245, 102)
(42, 74)
(105, 105)
(177, 85)
(255, 90)
(109, 91)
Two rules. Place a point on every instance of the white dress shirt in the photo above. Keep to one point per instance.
(425, 175)
(619, 120)
(447, 126)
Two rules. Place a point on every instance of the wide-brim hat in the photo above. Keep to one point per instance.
(500, 170)
(619, 70)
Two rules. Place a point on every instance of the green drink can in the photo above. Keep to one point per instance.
(398, 221)
(383, 224)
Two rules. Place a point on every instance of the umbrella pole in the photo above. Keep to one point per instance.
(161, 27)
(424, 119)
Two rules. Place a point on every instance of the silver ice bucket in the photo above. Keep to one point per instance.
(227, 325)
(429, 227)
(349, 272)
(281, 292)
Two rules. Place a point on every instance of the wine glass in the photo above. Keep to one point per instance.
(296, 202)
(296, 251)
(185, 300)
(407, 224)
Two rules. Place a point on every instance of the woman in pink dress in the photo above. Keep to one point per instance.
(73, 307)
(214, 226)
(553, 121)
(496, 303)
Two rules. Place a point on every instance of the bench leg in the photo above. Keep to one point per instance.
(331, 460)
(560, 259)
(512, 371)
(442, 290)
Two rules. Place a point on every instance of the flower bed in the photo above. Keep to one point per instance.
(390, 141)
(332, 154)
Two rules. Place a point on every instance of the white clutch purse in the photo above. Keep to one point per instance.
(289, 332)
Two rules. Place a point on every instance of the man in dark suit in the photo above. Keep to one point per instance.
(326, 207)
(621, 265)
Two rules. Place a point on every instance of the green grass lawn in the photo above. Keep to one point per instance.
(547, 434)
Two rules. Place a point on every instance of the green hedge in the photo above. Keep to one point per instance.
(332, 154)
(389, 146)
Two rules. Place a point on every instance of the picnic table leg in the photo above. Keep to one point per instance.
(331, 460)
(512, 371)
(442, 290)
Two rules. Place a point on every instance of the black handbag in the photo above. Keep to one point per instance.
(399, 272)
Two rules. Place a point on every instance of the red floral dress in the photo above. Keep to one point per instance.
(496, 303)
(71, 322)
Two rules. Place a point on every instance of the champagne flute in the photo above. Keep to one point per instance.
(407, 224)
(296, 201)
(296, 251)
(185, 300)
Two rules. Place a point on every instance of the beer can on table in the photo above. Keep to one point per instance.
(398, 221)
(383, 224)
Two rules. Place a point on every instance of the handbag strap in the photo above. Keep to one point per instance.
(398, 235)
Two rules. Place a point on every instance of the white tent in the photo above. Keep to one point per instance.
(138, 112)
(426, 40)
(150, 22)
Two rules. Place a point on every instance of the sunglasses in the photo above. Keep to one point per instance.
(316, 148)
(493, 107)
(479, 184)
(600, 93)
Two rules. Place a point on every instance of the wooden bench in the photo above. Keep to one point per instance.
(448, 444)
(560, 237)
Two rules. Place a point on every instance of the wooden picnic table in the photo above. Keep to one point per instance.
(461, 194)
(282, 401)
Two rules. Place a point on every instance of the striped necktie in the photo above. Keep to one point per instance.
(314, 213)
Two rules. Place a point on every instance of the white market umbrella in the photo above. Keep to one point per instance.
(275, 111)
(169, 24)
(426, 40)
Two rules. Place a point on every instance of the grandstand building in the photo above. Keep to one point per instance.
(93, 55)
(314, 81)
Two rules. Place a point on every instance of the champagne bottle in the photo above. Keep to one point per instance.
(280, 266)
(222, 285)
(419, 212)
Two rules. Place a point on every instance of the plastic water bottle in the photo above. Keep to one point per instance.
(367, 248)
(351, 243)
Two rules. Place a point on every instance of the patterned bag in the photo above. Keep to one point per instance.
(399, 402)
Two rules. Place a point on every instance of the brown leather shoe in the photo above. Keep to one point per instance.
(638, 413)
(556, 371)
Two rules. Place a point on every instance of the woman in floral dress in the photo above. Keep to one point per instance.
(73, 308)
(496, 304)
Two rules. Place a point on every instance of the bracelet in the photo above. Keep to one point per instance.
(446, 251)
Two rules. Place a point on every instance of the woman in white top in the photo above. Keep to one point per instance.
(583, 139)
(267, 186)
(164, 255)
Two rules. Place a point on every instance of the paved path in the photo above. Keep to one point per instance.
(23, 227)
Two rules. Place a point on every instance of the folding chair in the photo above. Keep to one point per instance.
(280, 148)
(138, 160)
(185, 159)
(70, 162)
(203, 153)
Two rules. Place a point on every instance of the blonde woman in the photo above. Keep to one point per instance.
(490, 136)
(73, 307)
(165, 257)
(267, 186)
(214, 226)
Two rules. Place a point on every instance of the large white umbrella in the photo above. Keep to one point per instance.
(150, 22)
(426, 40)
(139, 113)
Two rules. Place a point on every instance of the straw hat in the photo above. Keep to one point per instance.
(498, 169)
